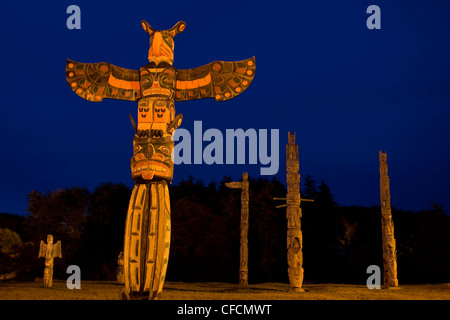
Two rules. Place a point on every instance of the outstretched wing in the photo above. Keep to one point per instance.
(57, 250)
(42, 249)
(219, 80)
(95, 81)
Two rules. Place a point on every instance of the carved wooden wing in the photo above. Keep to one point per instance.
(219, 80)
(95, 81)
(57, 250)
(42, 249)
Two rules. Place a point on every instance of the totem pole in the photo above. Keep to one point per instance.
(119, 273)
(293, 215)
(49, 251)
(243, 266)
(387, 227)
(155, 86)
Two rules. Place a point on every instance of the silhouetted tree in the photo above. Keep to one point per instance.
(12, 222)
(339, 242)
(103, 235)
(422, 245)
(267, 232)
(61, 213)
(322, 234)
(309, 190)
(199, 234)
(361, 242)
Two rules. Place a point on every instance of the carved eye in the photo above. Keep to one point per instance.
(167, 81)
(137, 149)
(147, 81)
(164, 149)
(168, 40)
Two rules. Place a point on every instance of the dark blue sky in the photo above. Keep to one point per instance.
(346, 91)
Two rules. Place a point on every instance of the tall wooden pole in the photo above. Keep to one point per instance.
(243, 257)
(49, 251)
(293, 215)
(387, 225)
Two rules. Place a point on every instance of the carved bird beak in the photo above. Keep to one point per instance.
(156, 44)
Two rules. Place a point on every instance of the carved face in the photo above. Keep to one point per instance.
(161, 47)
(152, 159)
(161, 42)
(157, 82)
(156, 107)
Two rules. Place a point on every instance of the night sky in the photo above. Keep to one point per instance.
(347, 91)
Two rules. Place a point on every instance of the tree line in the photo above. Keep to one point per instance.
(339, 242)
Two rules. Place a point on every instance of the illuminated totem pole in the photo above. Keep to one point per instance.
(243, 266)
(155, 86)
(119, 272)
(387, 226)
(49, 251)
(293, 216)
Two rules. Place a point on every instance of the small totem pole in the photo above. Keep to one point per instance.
(120, 277)
(387, 225)
(244, 185)
(155, 87)
(293, 215)
(49, 251)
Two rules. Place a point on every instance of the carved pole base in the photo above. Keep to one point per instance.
(293, 290)
(48, 277)
(390, 288)
(147, 241)
(296, 279)
(243, 277)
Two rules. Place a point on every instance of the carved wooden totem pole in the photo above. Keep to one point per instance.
(119, 272)
(293, 215)
(49, 251)
(243, 266)
(155, 86)
(387, 225)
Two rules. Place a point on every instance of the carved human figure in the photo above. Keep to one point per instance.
(49, 251)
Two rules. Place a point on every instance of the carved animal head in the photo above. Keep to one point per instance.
(152, 159)
(161, 42)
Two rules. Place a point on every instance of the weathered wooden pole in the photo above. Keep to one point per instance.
(49, 251)
(387, 225)
(243, 265)
(293, 215)
(119, 273)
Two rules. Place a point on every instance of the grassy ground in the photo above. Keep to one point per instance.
(223, 291)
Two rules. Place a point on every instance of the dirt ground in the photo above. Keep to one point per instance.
(223, 291)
